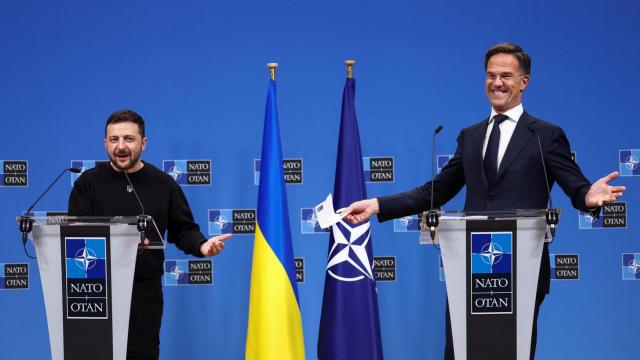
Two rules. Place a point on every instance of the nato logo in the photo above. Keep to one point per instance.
(292, 170)
(565, 267)
(378, 169)
(14, 276)
(442, 161)
(612, 215)
(86, 278)
(232, 221)
(631, 266)
(349, 259)
(629, 161)
(84, 165)
(407, 224)
(309, 222)
(491, 273)
(384, 268)
(15, 173)
(188, 272)
(299, 264)
(188, 172)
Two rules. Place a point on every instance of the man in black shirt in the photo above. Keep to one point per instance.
(105, 191)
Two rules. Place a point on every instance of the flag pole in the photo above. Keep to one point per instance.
(350, 64)
(272, 70)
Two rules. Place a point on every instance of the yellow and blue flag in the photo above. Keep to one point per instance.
(275, 322)
(349, 324)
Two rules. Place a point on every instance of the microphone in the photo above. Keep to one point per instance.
(26, 223)
(432, 215)
(552, 215)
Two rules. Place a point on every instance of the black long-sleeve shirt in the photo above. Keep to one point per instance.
(102, 191)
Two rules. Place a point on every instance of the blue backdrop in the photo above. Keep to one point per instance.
(196, 71)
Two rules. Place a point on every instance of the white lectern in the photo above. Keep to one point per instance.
(86, 269)
(491, 262)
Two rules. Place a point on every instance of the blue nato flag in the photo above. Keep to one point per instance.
(349, 323)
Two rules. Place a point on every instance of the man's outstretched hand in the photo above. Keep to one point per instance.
(601, 192)
(214, 245)
(361, 211)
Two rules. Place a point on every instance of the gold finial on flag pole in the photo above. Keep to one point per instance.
(350, 64)
(272, 70)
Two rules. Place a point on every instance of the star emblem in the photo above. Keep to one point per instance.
(634, 266)
(220, 222)
(175, 172)
(350, 247)
(491, 253)
(176, 272)
(631, 162)
(85, 258)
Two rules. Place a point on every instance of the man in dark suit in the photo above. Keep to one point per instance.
(499, 161)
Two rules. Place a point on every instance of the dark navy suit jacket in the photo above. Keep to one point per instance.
(520, 182)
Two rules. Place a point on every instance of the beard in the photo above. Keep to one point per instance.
(134, 158)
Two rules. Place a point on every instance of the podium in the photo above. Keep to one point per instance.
(491, 263)
(86, 268)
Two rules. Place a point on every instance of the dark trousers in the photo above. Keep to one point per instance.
(448, 346)
(144, 320)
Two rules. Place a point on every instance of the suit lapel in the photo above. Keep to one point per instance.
(521, 135)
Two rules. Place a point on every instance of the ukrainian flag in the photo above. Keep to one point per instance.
(275, 323)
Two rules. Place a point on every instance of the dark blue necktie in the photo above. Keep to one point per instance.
(491, 154)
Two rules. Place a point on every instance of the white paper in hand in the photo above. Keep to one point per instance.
(326, 214)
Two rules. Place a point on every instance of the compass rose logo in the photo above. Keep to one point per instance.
(349, 259)
(631, 162)
(491, 253)
(634, 266)
(85, 258)
(631, 266)
(176, 273)
(175, 172)
(220, 222)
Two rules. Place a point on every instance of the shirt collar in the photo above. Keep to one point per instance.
(513, 113)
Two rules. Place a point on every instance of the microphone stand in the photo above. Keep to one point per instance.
(143, 220)
(26, 221)
(432, 215)
(552, 215)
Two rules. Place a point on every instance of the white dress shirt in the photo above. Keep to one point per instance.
(506, 130)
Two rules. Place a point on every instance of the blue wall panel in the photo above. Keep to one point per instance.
(196, 72)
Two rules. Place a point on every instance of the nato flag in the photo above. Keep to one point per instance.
(349, 324)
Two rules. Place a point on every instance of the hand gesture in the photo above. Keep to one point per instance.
(601, 192)
(214, 245)
(361, 211)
